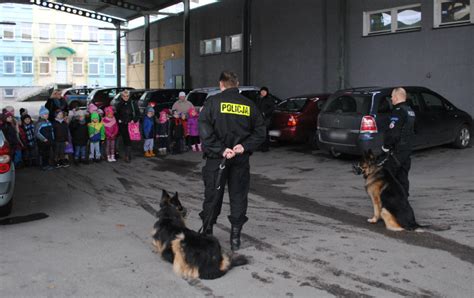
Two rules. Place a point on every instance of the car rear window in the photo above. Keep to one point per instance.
(292, 104)
(197, 98)
(251, 94)
(349, 103)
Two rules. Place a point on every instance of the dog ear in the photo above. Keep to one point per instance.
(175, 200)
(165, 198)
(371, 154)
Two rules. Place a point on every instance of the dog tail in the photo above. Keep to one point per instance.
(432, 227)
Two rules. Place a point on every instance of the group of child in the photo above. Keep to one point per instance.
(70, 135)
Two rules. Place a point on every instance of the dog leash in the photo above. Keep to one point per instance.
(208, 219)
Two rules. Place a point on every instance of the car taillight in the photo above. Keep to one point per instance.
(368, 125)
(292, 121)
(152, 104)
(4, 159)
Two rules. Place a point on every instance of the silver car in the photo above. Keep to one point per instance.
(7, 178)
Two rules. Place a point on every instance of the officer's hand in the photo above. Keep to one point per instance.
(238, 149)
(385, 149)
(228, 153)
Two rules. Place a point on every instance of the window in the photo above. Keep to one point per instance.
(123, 67)
(385, 105)
(93, 34)
(233, 43)
(211, 46)
(8, 64)
(109, 68)
(453, 12)
(44, 32)
(76, 32)
(135, 58)
(27, 65)
(433, 103)
(9, 92)
(347, 104)
(26, 31)
(8, 32)
(93, 66)
(107, 37)
(44, 65)
(60, 33)
(152, 56)
(392, 20)
(77, 66)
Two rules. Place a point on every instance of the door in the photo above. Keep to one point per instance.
(174, 69)
(61, 71)
(437, 115)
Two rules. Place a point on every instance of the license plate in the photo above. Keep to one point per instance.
(337, 135)
(274, 133)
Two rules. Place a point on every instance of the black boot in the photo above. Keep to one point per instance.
(235, 237)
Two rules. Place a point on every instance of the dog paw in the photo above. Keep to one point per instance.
(373, 220)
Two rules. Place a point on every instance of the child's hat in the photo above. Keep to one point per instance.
(191, 110)
(95, 115)
(24, 116)
(92, 108)
(109, 110)
(150, 109)
(57, 112)
(43, 111)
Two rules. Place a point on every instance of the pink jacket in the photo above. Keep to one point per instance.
(111, 128)
(193, 127)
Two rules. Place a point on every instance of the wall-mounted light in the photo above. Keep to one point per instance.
(77, 11)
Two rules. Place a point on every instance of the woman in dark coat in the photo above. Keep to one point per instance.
(55, 103)
(127, 111)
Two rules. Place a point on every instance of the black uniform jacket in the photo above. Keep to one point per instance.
(228, 119)
(399, 136)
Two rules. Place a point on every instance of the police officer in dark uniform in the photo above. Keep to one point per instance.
(398, 138)
(231, 127)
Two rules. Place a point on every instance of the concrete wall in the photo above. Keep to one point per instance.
(440, 59)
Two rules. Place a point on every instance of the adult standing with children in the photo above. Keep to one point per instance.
(230, 127)
(182, 105)
(127, 112)
(54, 103)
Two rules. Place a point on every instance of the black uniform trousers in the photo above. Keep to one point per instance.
(237, 176)
(127, 143)
(399, 165)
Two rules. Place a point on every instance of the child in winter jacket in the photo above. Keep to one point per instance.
(111, 132)
(28, 138)
(193, 130)
(162, 130)
(149, 131)
(61, 138)
(177, 133)
(11, 132)
(45, 135)
(80, 137)
(96, 136)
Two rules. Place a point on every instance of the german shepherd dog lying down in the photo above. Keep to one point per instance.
(388, 196)
(193, 255)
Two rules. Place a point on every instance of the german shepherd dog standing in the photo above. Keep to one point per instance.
(388, 196)
(193, 255)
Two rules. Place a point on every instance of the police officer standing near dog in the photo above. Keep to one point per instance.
(230, 127)
(398, 138)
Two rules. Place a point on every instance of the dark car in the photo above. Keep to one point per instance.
(159, 99)
(354, 120)
(102, 97)
(76, 97)
(135, 95)
(295, 118)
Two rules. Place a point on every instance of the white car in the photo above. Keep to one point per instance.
(7, 177)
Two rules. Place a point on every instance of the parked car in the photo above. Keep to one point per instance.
(295, 118)
(354, 120)
(7, 177)
(76, 97)
(135, 95)
(102, 97)
(159, 99)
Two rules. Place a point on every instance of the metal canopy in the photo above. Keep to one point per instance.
(126, 10)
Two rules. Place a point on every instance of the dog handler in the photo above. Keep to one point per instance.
(231, 127)
(399, 138)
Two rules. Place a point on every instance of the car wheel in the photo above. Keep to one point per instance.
(335, 153)
(7, 209)
(463, 137)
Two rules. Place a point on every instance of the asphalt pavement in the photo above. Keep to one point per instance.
(307, 235)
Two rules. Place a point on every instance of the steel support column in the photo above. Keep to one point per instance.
(118, 55)
(187, 45)
(246, 37)
(147, 51)
(342, 44)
